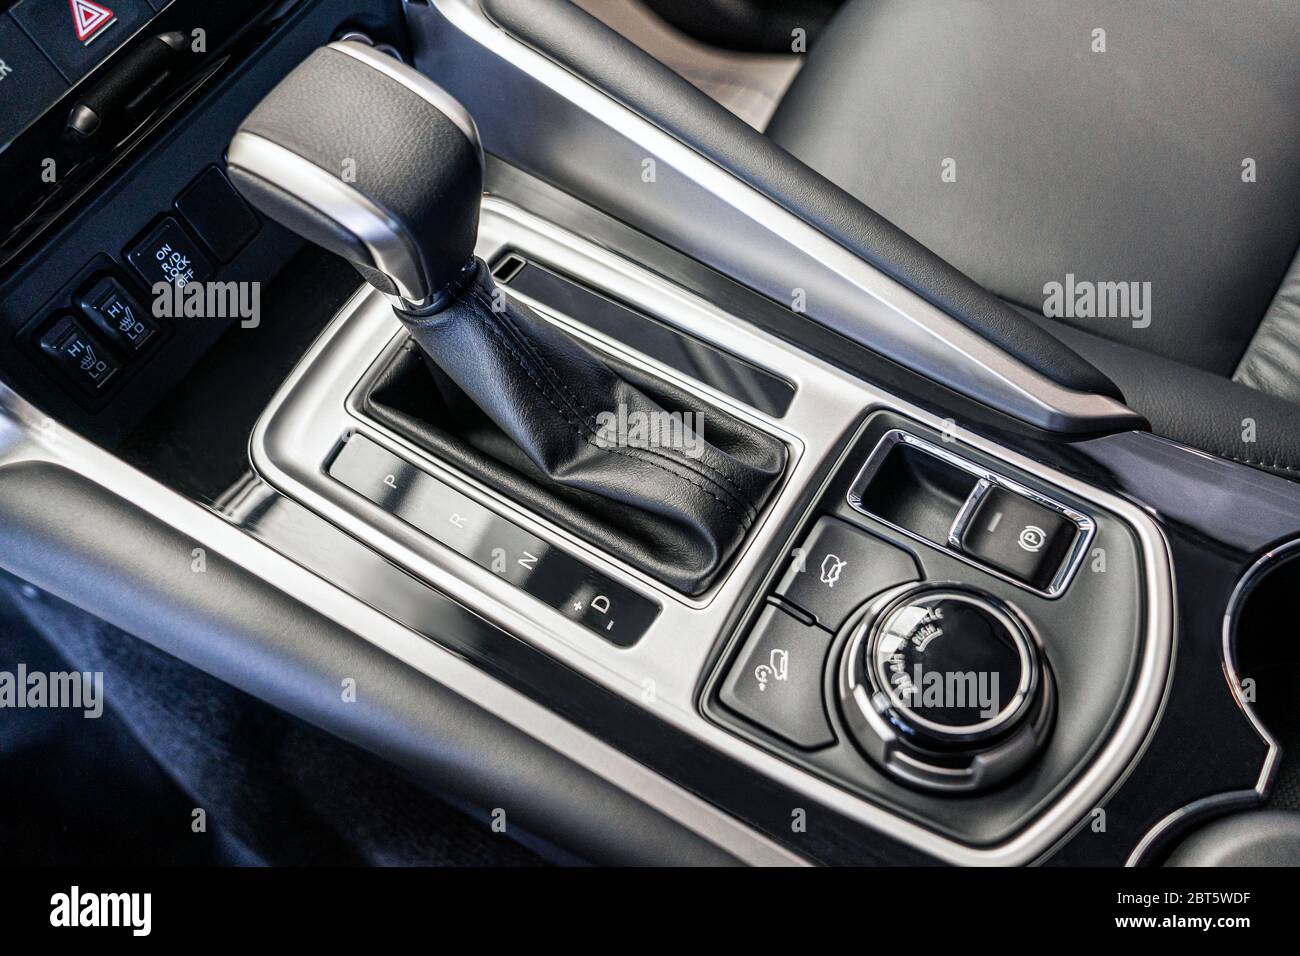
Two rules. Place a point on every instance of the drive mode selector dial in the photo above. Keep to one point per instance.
(945, 688)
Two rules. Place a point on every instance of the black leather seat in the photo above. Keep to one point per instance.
(1024, 147)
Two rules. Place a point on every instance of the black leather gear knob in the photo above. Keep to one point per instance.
(360, 154)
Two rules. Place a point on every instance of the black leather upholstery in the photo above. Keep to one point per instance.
(1270, 363)
(754, 26)
(1117, 166)
(522, 408)
(1122, 165)
(1198, 408)
(588, 48)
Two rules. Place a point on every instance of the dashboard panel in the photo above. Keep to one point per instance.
(145, 202)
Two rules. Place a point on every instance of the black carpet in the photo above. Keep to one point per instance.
(122, 789)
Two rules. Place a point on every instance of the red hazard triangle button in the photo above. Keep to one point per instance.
(89, 18)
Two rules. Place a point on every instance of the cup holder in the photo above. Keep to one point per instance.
(1260, 644)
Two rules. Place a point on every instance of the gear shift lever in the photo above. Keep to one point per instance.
(370, 159)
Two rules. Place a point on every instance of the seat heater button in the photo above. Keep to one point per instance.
(79, 356)
(118, 316)
(776, 682)
(1018, 536)
(839, 567)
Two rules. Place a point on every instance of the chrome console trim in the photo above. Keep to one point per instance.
(692, 201)
(666, 669)
(27, 434)
(390, 247)
(1247, 584)
(1085, 527)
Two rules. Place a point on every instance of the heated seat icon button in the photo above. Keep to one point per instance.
(80, 356)
(118, 316)
(838, 567)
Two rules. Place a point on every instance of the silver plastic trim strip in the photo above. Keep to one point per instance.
(844, 292)
(308, 416)
(27, 434)
(966, 512)
(390, 247)
(1085, 527)
(1239, 593)
(1197, 808)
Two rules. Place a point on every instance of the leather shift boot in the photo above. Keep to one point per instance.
(528, 410)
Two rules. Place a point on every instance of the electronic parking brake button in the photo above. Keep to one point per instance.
(776, 682)
(838, 568)
(1018, 536)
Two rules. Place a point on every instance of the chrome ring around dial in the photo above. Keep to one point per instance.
(945, 687)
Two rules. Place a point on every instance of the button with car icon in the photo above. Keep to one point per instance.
(838, 567)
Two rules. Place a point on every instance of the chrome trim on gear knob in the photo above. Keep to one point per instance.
(391, 248)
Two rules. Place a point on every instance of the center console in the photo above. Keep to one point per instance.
(890, 528)
(928, 593)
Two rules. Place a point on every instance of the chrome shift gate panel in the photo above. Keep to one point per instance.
(665, 671)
